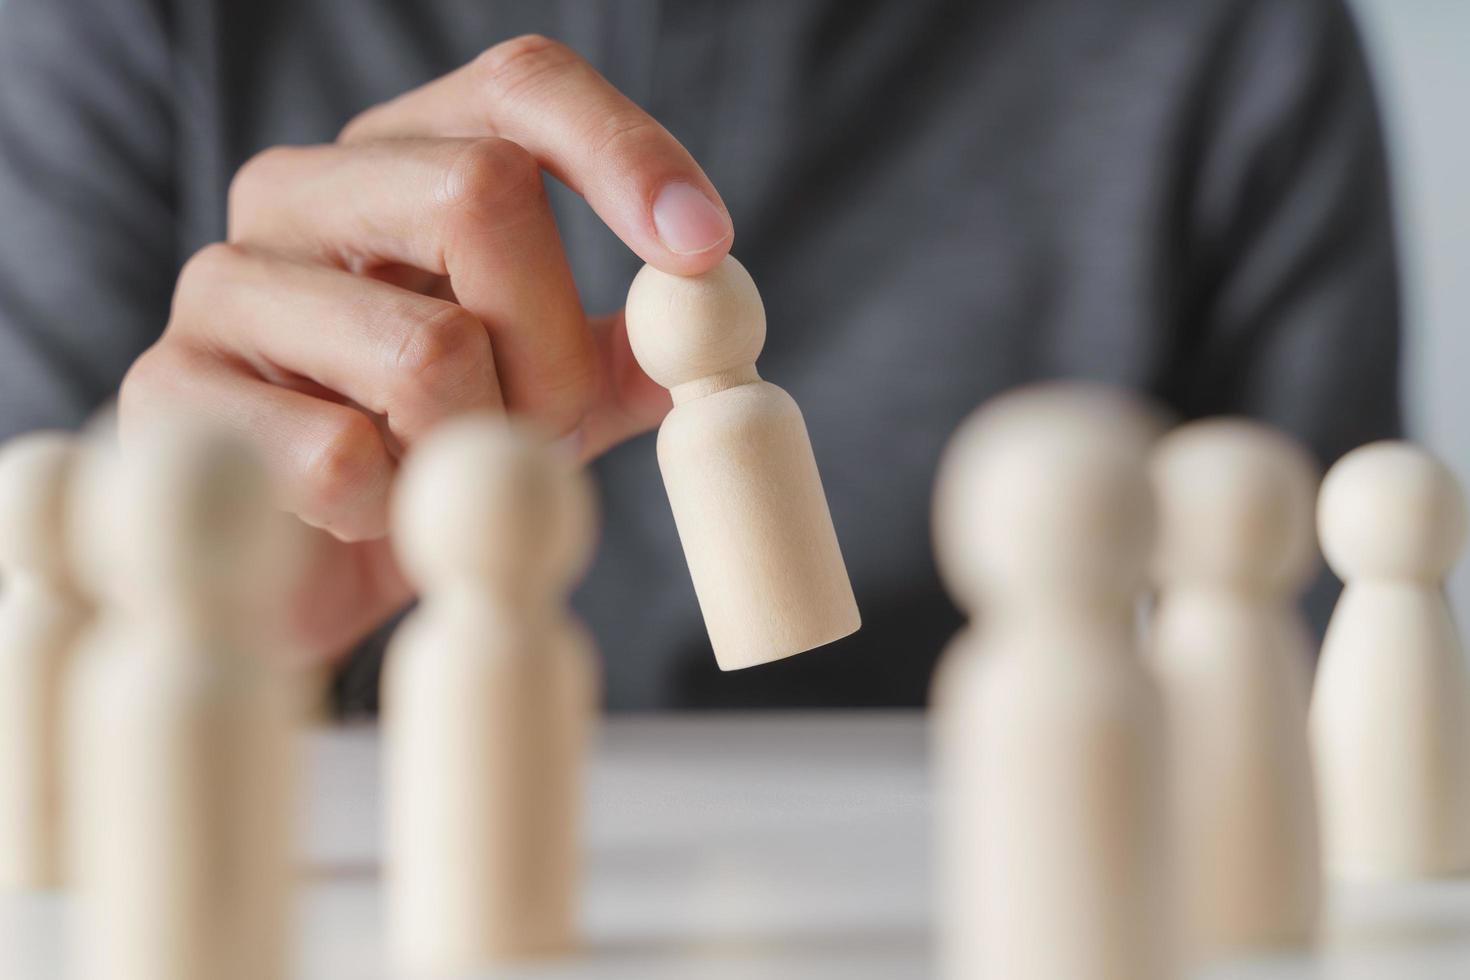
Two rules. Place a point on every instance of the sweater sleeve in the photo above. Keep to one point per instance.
(88, 242)
(1284, 259)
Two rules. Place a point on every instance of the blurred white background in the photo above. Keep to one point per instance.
(1420, 51)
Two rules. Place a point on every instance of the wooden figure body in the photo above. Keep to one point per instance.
(1052, 798)
(1390, 716)
(181, 735)
(40, 616)
(738, 467)
(489, 695)
(1236, 548)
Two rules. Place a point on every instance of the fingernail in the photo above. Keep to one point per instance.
(686, 221)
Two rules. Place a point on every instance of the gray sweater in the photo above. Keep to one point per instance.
(938, 200)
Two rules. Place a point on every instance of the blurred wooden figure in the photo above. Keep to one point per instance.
(488, 699)
(1053, 805)
(738, 467)
(181, 734)
(1236, 548)
(1390, 717)
(41, 614)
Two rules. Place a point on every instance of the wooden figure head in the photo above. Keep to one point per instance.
(1043, 494)
(34, 472)
(683, 328)
(180, 518)
(1235, 502)
(483, 500)
(1391, 510)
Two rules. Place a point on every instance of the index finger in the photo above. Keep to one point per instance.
(543, 95)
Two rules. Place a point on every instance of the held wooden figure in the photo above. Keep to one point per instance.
(40, 615)
(1390, 716)
(181, 734)
(1053, 816)
(739, 470)
(488, 700)
(1236, 547)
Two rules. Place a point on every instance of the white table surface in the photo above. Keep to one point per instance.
(749, 846)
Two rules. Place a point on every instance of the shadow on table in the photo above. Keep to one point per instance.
(874, 945)
(341, 871)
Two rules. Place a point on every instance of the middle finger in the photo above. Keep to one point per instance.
(473, 210)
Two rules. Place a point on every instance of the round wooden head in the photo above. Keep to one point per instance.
(1391, 510)
(34, 472)
(182, 514)
(484, 500)
(1235, 502)
(683, 328)
(1043, 495)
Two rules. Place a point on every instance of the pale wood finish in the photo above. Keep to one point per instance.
(1236, 547)
(489, 696)
(1052, 806)
(181, 740)
(40, 615)
(1390, 717)
(739, 470)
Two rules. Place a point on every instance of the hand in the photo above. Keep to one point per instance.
(412, 271)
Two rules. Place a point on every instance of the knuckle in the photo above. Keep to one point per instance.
(202, 275)
(511, 65)
(489, 174)
(626, 140)
(444, 356)
(142, 381)
(251, 182)
(210, 262)
(344, 468)
(359, 125)
(166, 376)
